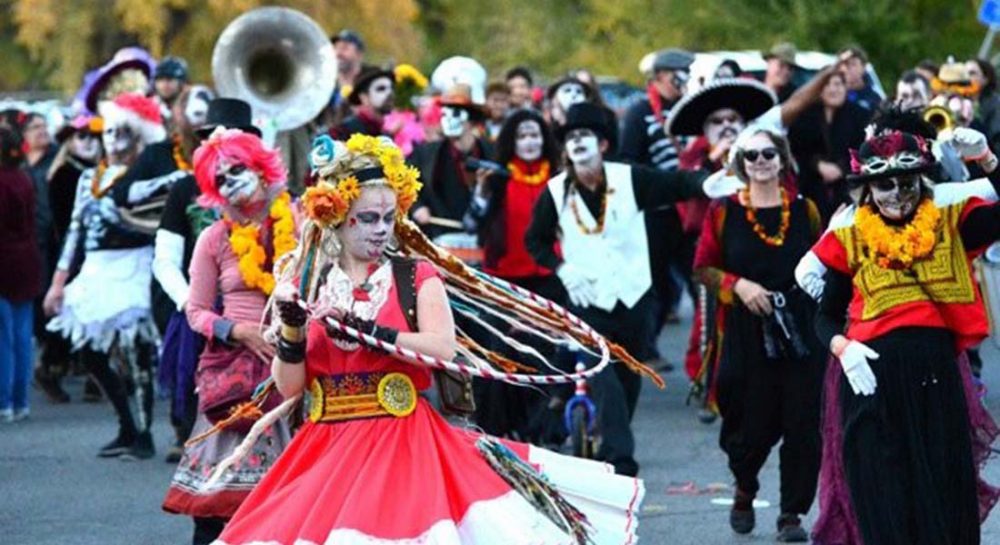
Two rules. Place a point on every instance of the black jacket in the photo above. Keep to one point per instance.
(444, 193)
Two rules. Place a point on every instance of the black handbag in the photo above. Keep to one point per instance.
(454, 389)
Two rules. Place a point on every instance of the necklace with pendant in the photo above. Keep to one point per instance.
(362, 291)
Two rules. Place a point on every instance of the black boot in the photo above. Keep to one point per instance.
(119, 445)
(790, 529)
(741, 517)
(141, 449)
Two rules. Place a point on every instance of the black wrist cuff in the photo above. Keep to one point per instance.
(386, 334)
(291, 352)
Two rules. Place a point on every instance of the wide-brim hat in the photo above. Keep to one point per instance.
(750, 98)
(127, 58)
(230, 113)
(892, 154)
(79, 123)
(585, 115)
(460, 96)
(551, 91)
(365, 78)
(785, 52)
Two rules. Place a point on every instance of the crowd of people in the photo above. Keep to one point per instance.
(824, 233)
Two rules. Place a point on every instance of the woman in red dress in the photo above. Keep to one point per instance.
(375, 463)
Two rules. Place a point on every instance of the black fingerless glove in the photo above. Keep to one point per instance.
(368, 327)
(291, 313)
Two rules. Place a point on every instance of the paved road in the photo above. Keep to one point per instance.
(54, 491)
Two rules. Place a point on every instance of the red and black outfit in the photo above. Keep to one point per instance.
(502, 221)
(766, 389)
(901, 465)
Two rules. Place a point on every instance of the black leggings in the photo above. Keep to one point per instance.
(130, 393)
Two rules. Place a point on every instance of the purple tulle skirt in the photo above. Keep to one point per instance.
(178, 361)
(837, 523)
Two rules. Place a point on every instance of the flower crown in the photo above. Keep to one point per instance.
(340, 180)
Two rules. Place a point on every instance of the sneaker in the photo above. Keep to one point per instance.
(790, 529)
(6, 416)
(707, 416)
(21, 414)
(741, 517)
(51, 387)
(92, 392)
(117, 447)
(174, 454)
(141, 449)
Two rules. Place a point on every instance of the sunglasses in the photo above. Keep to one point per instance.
(752, 155)
(905, 184)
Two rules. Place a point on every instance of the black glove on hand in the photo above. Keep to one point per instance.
(291, 313)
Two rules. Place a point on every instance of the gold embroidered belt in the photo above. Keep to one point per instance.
(352, 396)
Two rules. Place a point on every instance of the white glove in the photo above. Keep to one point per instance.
(970, 144)
(854, 360)
(580, 288)
(721, 184)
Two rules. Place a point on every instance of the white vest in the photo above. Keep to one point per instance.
(617, 258)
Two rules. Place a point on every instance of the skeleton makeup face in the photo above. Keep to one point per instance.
(119, 139)
(85, 145)
(570, 93)
(454, 121)
(196, 109)
(380, 95)
(897, 197)
(366, 232)
(722, 124)
(237, 184)
(583, 147)
(528, 141)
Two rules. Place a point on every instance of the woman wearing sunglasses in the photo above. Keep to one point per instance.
(768, 368)
(904, 433)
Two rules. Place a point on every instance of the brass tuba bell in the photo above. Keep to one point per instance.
(941, 118)
(279, 61)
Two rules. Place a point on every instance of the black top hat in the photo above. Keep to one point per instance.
(231, 113)
(585, 115)
(365, 78)
(750, 98)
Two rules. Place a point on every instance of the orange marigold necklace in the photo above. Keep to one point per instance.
(758, 229)
(245, 242)
(599, 226)
(519, 173)
(894, 247)
(95, 183)
(179, 159)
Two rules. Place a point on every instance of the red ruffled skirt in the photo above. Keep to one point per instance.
(418, 479)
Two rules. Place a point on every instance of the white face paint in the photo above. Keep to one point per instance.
(85, 145)
(570, 93)
(453, 121)
(896, 198)
(196, 109)
(119, 139)
(366, 232)
(722, 124)
(582, 146)
(237, 183)
(380, 95)
(529, 141)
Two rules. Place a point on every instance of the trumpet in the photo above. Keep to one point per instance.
(941, 118)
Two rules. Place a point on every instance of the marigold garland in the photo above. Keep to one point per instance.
(328, 201)
(599, 226)
(179, 159)
(245, 242)
(518, 174)
(758, 229)
(898, 247)
(95, 183)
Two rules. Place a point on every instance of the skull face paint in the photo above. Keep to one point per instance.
(237, 184)
(583, 147)
(196, 109)
(85, 145)
(381, 95)
(722, 124)
(528, 141)
(570, 93)
(896, 198)
(366, 232)
(453, 121)
(119, 139)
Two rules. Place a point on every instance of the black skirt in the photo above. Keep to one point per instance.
(907, 448)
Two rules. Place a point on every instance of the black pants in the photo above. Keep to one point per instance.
(131, 393)
(763, 401)
(207, 530)
(616, 389)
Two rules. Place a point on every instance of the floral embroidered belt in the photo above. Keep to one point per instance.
(352, 396)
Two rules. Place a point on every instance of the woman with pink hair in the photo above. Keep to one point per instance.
(245, 180)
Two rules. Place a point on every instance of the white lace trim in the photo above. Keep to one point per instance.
(338, 293)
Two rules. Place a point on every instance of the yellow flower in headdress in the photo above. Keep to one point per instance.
(349, 188)
(407, 73)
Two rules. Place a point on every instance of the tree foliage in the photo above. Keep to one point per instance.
(50, 43)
